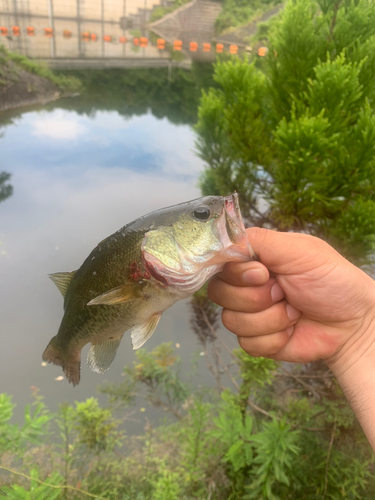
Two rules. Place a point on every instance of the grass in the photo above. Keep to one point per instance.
(237, 13)
(160, 12)
(64, 83)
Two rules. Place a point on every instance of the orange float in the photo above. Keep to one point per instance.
(122, 39)
(94, 37)
(85, 35)
(48, 32)
(193, 46)
(206, 47)
(3, 30)
(144, 41)
(16, 30)
(107, 38)
(177, 45)
(262, 51)
(233, 49)
(30, 31)
(136, 41)
(160, 43)
(67, 33)
(219, 48)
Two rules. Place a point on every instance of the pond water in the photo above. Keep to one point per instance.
(82, 168)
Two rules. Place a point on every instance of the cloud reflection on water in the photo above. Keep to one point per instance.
(106, 139)
(58, 125)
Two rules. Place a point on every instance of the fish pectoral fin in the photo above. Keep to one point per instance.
(100, 356)
(141, 333)
(118, 295)
(62, 280)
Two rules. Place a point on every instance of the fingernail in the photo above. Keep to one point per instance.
(256, 276)
(290, 330)
(277, 293)
(292, 312)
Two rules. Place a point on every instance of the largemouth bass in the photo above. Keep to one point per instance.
(135, 274)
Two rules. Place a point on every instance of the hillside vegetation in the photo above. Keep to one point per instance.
(25, 82)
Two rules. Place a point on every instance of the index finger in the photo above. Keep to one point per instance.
(251, 273)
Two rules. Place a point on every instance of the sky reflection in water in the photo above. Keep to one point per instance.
(76, 180)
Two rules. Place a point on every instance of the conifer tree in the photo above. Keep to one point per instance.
(294, 133)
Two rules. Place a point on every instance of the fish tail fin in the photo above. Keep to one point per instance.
(71, 365)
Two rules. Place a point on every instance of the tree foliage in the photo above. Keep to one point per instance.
(6, 189)
(138, 91)
(294, 133)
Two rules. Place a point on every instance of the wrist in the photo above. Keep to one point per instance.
(358, 349)
(357, 353)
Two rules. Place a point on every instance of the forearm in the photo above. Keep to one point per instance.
(359, 389)
(357, 380)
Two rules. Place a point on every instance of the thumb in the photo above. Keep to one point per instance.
(288, 253)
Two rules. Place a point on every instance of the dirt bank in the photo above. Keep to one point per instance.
(21, 88)
(25, 83)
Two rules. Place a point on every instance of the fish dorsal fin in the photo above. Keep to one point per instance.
(62, 280)
(141, 333)
(100, 356)
(118, 295)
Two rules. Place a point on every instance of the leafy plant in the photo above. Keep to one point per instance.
(282, 433)
(154, 371)
(275, 447)
(15, 437)
(36, 491)
(95, 426)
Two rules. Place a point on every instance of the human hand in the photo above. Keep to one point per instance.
(317, 305)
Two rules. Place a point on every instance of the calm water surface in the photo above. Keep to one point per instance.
(77, 179)
(83, 167)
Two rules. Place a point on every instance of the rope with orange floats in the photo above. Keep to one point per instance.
(177, 45)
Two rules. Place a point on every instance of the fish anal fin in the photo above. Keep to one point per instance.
(62, 280)
(71, 364)
(118, 295)
(141, 333)
(100, 356)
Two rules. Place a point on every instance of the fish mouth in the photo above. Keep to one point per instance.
(234, 223)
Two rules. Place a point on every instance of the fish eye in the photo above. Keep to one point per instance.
(202, 213)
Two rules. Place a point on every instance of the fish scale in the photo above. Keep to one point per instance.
(134, 275)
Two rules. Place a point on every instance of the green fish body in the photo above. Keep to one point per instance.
(135, 274)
